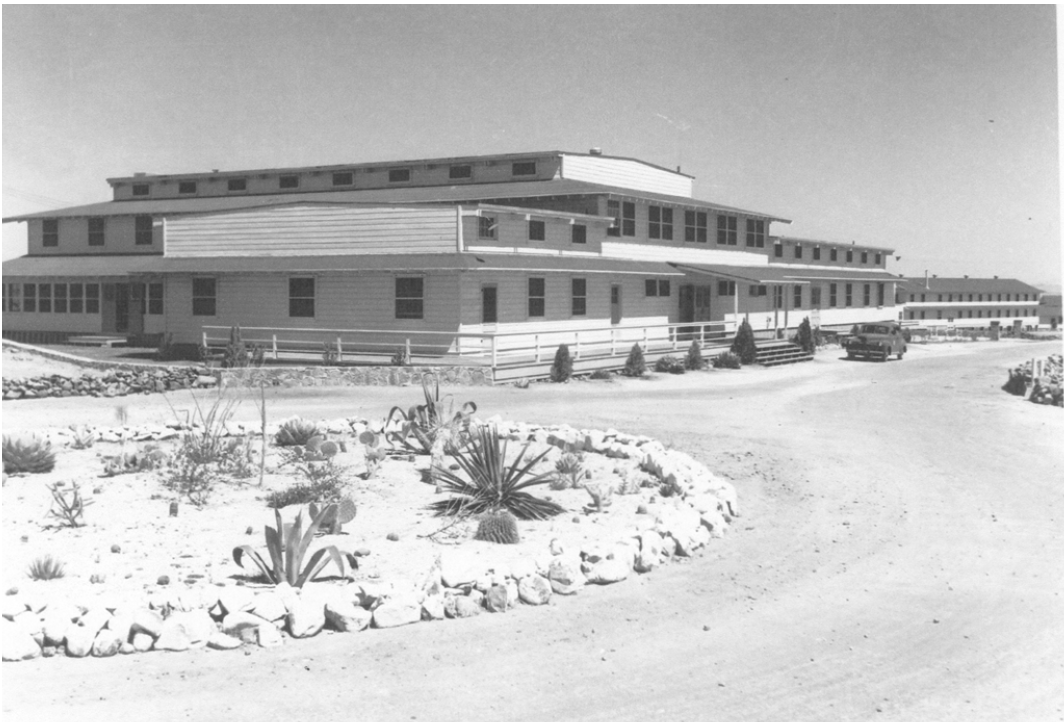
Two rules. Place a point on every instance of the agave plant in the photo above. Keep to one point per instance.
(30, 457)
(288, 546)
(296, 432)
(490, 484)
(421, 426)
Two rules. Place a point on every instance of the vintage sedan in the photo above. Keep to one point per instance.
(877, 341)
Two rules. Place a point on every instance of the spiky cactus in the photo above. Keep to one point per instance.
(498, 527)
(296, 432)
(32, 457)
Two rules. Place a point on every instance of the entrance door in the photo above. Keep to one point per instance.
(489, 305)
(122, 301)
(687, 303)
(615, 304)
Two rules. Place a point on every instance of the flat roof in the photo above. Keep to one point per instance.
(380, 196)
(778, 273)
(836, 244)
(968, 285)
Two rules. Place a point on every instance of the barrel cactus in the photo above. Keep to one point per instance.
(30, 457)
(498, 527)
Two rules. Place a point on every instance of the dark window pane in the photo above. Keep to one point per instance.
(398, 175)
(96, 233)
(301, 287)
(537, 231)
(186, 187)
(142, 230)
(344, 178)
(141, 189)
(92, 298)
(288, 181)
(524, 168)
(579, 233)
(237, 184)
(44, 297)
(461, 171)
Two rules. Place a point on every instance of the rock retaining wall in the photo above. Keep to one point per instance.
(354, 375)
(113, 382)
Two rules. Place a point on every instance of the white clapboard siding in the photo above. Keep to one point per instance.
(704, 255)
(313, 229)
(625, 174)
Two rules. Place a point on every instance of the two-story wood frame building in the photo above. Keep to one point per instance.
(969, 302)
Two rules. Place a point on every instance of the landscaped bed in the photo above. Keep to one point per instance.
(152, 562)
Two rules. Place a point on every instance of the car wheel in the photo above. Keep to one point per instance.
(900, 354)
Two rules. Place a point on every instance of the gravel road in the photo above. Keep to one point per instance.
(899, 558)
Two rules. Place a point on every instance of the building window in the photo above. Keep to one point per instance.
(92, 298)
(654, 287)
(834, 256)
(579, 233)
(44, 297)
(660, 223)
(204, 299)
(96, 234)
(939, 315)
(486, 226)
(141, 189)
(301, 297)
(879, 259)
(725, 288)
(628, 219)
(849, 256)
(344, 178)
(969, 298)
(756, 291)
(849, 295)
(755, 233)
(778, 250)
(29, 297)
(613, 210)
(579, 296)
(923, 315)
(980, 313)
(950, 298)
(60, 303)
(777, 296)
(155, 299)
(410, 297)
(814, 296)
(868, 294)
(797, 251)
(50, 232)
(881, 292)
(186, 187)
(695, 224)
(923, 297)
(833, 295)
(524, 168)
(537, 297)
(537, 231)
(14, 297)
(458, 172)
(727, 230)
(287, 182)
(797, 296)
(399, 175)
(864, 256)
(142, 233)
(237, 184)
(1008, 297)
(816, 253)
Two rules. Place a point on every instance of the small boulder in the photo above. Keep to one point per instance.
(467, 606)
(106, 644)
(534, 590)
(223, 642)
(56, 621)
(147, 622)
(608, 571)
(17, 645)
(174, 638)
(267, 635)
(243, 625)
(433, 607)
(565, 575)
(142, 642)
(235, 599)
(346, 616)
(306, 618)
(458, 568)
(197, 624)
(79, 640)
(396, 612)
(497, 599)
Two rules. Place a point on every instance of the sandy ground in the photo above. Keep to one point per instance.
(899, 558)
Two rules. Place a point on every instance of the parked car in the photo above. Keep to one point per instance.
(876, 341)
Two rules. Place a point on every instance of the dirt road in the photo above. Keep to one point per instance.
(900, 557)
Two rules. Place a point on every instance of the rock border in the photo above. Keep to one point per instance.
(700, 508)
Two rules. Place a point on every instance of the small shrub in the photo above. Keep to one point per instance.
(669, 365)
(82, 438)
(46, 568)
(498, 527)
(191, 476)
(239, 354)
(401, 357)
(805, 336)
(31, 457)
(422, 426)
(569, 470)
(296, 432)
(726, 360)
(744, 345)
(601, 375)
(67, 509)
(323, 483)
(562, 368)
(635, 365)
(693, 361)
(373, 452)
(329, 355)
(1017, 383)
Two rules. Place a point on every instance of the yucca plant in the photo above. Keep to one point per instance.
(492, 484)
(31, 457)
(45, 569)
(296, 432)
(419, 427)
(288, 545)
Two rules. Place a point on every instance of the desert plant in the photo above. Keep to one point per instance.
(562, 368)
(236, 458)
(1017, 383)
(805, 336)
(343, 512)
(401, 357)
(372, 451)
(693, 361)
(287, 545)
(601, 496)
(498, 527)
(601, 375)
(296, 432)
(635, 365)
(492, 484)
(569, 472)
(726, 360)
(669, 365)
(744, 345)
(418, 428)
(239, 354)
(82, 437)
(30, 457)
(67, 509)
(191, 476)
(46, 568)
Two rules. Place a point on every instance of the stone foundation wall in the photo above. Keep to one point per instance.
(354, 376)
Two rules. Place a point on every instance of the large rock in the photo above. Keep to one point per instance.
(94, 619)
(397, 612)
(346, 616)
(79, 640)
(173, 638)
(31, 624)
(458, 568)
(467, 606)
(433, 607)
(565, 575)
(306, 618)
(222, 641)
(608, 571)
(17, 644)
(243, 625)
(267, 635)
(56, 621)
(534, 590)
(497, 599)
(142, 642)
(106, 644)
(270, 606)
(197, 624)
(235, 599)
(148, 622)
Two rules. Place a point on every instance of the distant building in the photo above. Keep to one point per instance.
(526, 243)
(969, 302)
(1049, 311)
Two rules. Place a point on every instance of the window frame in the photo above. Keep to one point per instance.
(755, 233)
(537, 230)
(236, 185)
(849, 255)
(833, 295)
(696, 227)
(578, 234)
(578, 289)
(460, 172)
(44, 297)
(867, 294)
(726, 289)
(187, 188)
(60, 298)
(50, 232)
(143, 236)
(301, 304)
(92, 298)
(487, 227)
(660, 222)
(288, 181)
(848, 288)
(204, 303)
(97, 231)
(409, 301)
(399, 175)
(155, 296)
(29, 297)
(537, 297)
(611, 206)
(139, 190)
(338, 178)
(727, 230)
(816, 253)
(523, 168)
(797, 300)
(628, 218)
(798, 252)
(833, 256)
(864, 257)
(815, 296)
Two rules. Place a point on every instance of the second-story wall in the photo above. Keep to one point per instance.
(111, 235)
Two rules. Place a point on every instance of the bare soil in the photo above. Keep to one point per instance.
(899, 557)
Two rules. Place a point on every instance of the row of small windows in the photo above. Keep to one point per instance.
(487, 230)
(71, 298)
(990, 313)
(339, 179)
(972, 297)
(833, 254)
(97, 231)
(728, 288)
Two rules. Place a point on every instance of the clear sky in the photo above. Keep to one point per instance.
(931, 130)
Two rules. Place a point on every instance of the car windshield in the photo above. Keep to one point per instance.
(870, 328)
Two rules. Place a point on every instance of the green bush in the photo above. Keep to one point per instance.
(601, 375)
(636, 365)
(693, 361)
(669, 365)
(743, 346)
(562, 368)
(726, 360)
(805, 336)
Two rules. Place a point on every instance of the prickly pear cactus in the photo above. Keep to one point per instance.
(498, 527)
